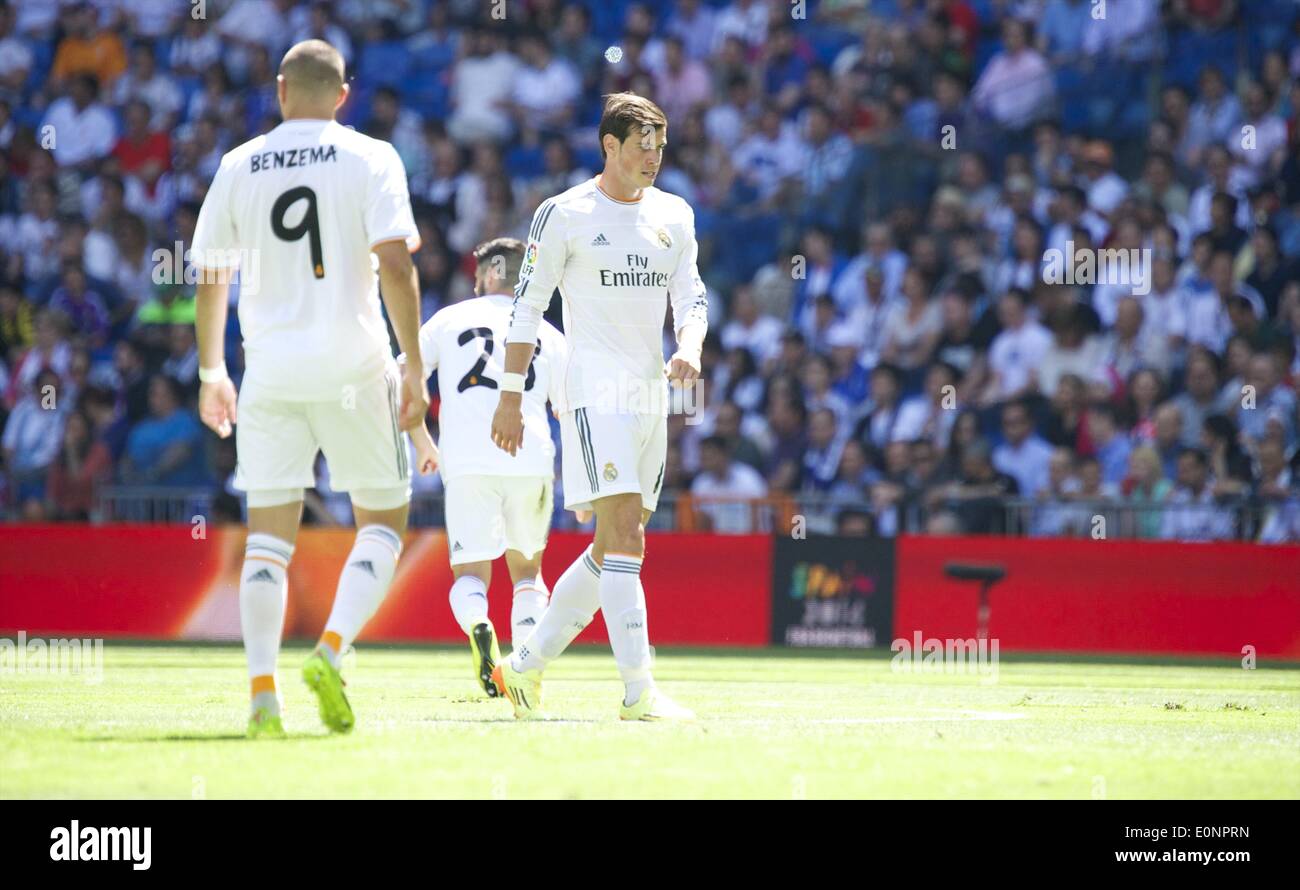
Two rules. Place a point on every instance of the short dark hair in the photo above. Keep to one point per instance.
(623, 112)
(511, 251)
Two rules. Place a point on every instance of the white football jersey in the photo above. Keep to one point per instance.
(617, 265)
(298, 211)
(465, 343)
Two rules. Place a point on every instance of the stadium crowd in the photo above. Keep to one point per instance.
(879, 188)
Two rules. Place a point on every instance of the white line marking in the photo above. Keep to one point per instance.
(850, 721)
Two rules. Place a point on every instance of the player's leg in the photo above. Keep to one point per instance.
(368, 572)
(620, 548)
(530, 595)
(527, 524)
(475, 506)
(469, 605)
(575, 597)
(368, 458)
(275, 448)
(263, 596)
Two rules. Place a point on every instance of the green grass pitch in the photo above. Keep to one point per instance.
(167, 721)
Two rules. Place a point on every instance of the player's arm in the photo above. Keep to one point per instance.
(400, 290)
(391, 232)
(217, 398)
(215, 251)
(690, 304)
(538, 277)
(426, 452)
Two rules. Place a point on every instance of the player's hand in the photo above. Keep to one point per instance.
(684, 369)
(426, 456)
(217, 406)
(415, 398)
(508, 423)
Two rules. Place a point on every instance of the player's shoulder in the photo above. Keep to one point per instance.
(578, 200)
(481, 311)
(667, 202)
(242, 152)
(367, 148)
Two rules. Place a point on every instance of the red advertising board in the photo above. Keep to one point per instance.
(162, 582)
(1080, 595)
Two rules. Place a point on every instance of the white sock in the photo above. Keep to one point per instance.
(263, 591)
(623, 602)
(362, 585)
(527, 608)
(574, 601)
(469, 601)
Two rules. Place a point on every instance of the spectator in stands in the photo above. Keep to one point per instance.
(1023, 455)
(1017, 86)
(1073, 351)
(544, 88)
(1112, 445)
(1193, 513)
(86, 49)
(84, 308)
(721, 479)
(821, 460)
(1268, 408)
(144, 83)
(17, 325)
(50, 351)
(75, 473)
(683, 82)
(977, 497)
(748, 329)
(877, 428)
(1274, 483)
(913, 327)
(31, 438)
(1229, 463)
(77, 129)
(1145, 489)
(930, 415)
(1054, 516)
(1167, 440)
(166, 448)
(1260, 152)
(1016, 353)
(482, 82)
(785, 421)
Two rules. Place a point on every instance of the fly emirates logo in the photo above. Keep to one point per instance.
(638, 274)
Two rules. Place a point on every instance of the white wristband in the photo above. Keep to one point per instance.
(511, 382)
(213, 375)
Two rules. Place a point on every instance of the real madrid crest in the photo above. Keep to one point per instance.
(610, 472)
(664, 241)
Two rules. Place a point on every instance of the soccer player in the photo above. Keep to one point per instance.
(495, 504)
(620, 251)
(308, 212)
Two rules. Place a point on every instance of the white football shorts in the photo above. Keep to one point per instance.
(607, 453)
(488, 515)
